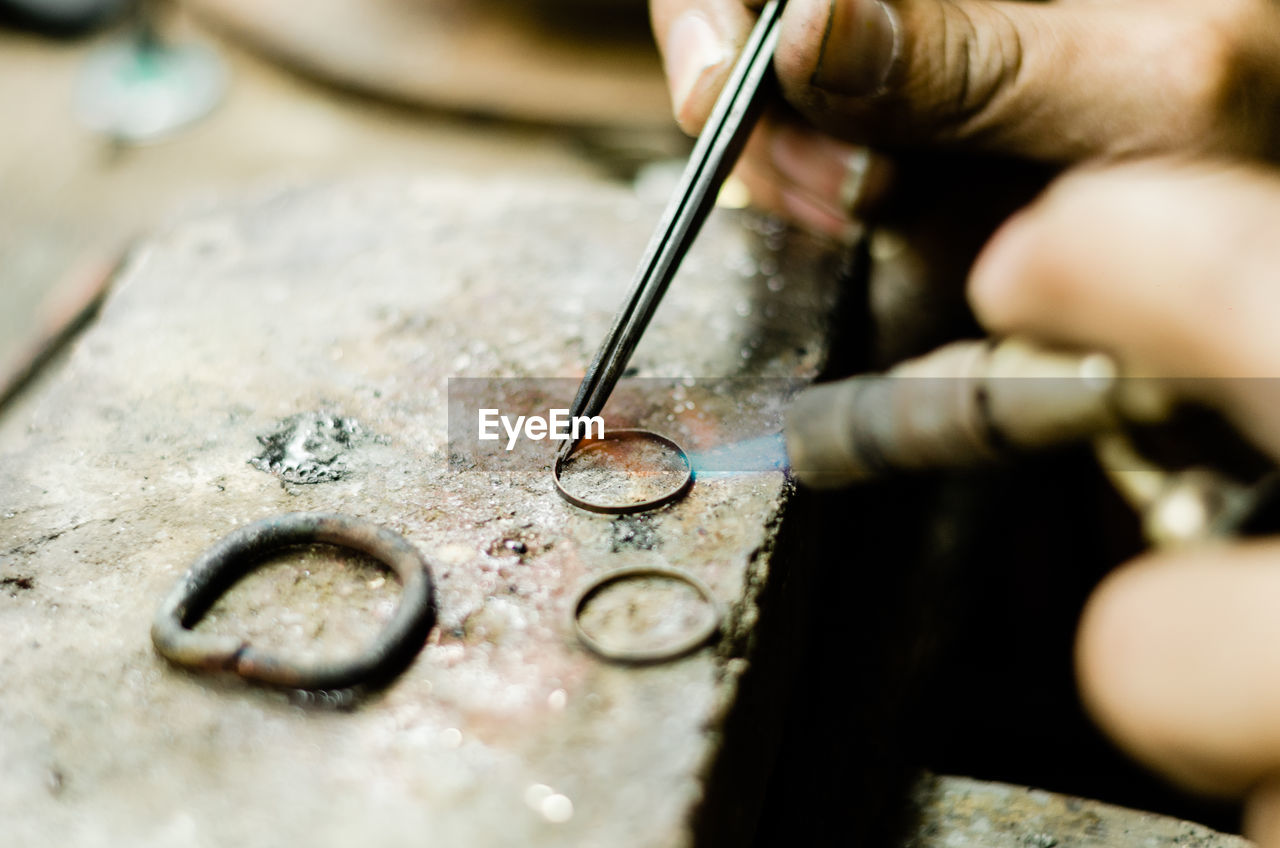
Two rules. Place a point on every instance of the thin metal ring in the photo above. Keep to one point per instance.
(643, 656)
(243, 550)
(623, 509)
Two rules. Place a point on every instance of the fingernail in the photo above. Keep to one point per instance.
(860, 44)
(693, 49)
(854, 183)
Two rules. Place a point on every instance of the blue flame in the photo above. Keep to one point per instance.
(762, 453)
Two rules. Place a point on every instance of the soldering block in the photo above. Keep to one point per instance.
(356, 303)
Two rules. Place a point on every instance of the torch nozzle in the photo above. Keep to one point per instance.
(964, 404)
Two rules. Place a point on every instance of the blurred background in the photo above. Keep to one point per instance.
(119, 114)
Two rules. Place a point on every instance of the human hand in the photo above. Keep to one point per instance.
(1171, 266)
(1053, 82)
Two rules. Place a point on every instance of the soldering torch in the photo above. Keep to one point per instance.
(964, 404)
(974, 402)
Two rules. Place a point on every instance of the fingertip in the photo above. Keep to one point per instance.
(699, 40)
(1176, 662)
(1111, 648)
(1128, 675)
(696, 58)
(1003, 263)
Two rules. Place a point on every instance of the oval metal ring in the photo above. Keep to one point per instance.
(243, 550)
(653, 655)
(640, 506)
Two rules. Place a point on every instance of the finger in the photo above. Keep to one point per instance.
(699, 40)
(1170, 266)
(1055, 81)
(1262, 814)
(810, 179)
(771, 193)
(1178, 659)
(848, 180)
(846, 177)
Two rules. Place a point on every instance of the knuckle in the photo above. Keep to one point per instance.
(982, 66)
(1207, 80)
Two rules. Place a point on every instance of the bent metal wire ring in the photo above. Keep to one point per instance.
(243, 550)
(645, 656)
(624, 508)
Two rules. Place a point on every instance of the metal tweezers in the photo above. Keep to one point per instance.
(718, 147)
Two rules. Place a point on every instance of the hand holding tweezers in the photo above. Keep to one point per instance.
(739, 105)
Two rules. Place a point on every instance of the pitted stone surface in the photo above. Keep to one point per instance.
(960, 812)
(361, 301)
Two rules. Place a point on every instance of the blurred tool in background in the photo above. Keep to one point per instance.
(141, 88)
(551, 61)
(60, 17)
(579, 84)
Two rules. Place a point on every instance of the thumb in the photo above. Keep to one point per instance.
(1052, 81)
